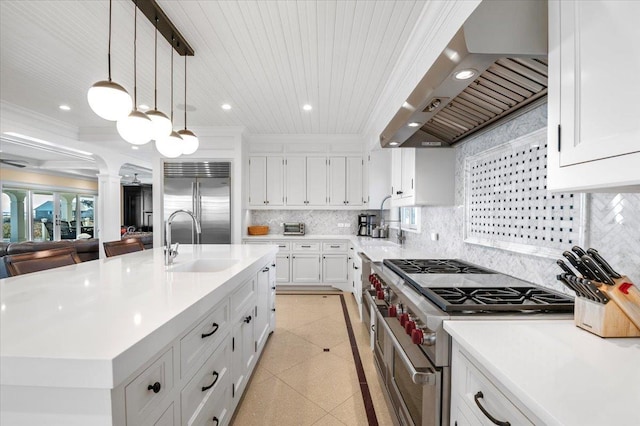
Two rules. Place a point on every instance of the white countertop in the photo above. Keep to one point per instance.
(82, 325)
(564, 375)
(376, 249)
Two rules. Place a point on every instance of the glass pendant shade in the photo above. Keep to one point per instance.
(190, 142)
(136, 128)
(170, 146)
(162, 126)
(109, 100)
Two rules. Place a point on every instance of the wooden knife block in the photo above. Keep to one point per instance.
(620, 317)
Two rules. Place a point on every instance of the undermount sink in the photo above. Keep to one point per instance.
(203, 265)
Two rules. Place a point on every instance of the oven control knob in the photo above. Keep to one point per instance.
(372, 278)
(380, 294)
(403, 319)
(409, 327)
(393, 311)
(416, 336)
(378, 286)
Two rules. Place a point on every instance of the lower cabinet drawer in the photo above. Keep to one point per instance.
(215, 411)
(334, 247)
(166, 419)
(242, 297)
(484, 399)
(306, 246)
(146, 391)
(208, 385)
(203, 339)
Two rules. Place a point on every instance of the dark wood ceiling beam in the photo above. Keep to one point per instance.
(152, 10)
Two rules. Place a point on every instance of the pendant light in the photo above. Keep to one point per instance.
(191, 142)
(170, 146)
(136, 127)
(106, 98)
(161, 124)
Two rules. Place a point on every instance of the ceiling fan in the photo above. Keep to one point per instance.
(14, 163)
(135, 180)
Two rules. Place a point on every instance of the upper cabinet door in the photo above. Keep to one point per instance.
(275, 181)
(337, 181)
(599, 59)
(317, 181)
(408, 172)
(257, 174)
(296, 181)
(396, 173)
(354, 181)
(593, 109)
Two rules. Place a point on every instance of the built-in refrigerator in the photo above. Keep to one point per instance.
(203, 188)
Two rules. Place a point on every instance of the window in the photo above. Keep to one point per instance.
(408, 216)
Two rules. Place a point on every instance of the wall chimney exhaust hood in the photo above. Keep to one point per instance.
(494, 65)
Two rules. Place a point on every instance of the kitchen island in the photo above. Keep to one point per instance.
(542, 372)
(124, 340)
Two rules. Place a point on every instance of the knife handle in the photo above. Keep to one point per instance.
(565, 267)
(575, 262)
(603, 263)
(562, 278)
(578, 250)
(602, 298)
(596, 270)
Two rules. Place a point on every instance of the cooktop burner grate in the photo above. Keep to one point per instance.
(492, 299)
(434, 266)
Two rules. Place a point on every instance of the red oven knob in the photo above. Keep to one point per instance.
(403, 319)
(378, 286)
(371, 278)
(409, 326)
(393, 311)
(380, 294)
(417, 336)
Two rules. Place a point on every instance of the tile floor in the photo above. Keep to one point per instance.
(297, 383)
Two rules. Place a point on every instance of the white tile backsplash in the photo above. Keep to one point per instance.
(323, 222)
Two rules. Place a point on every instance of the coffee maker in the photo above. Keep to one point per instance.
(371, 223)
(362, 225)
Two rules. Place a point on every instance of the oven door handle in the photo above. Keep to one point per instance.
(419, 376)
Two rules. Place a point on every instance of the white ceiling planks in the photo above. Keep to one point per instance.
(266, 58)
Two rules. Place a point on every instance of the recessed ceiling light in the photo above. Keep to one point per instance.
(135, 148)
(413, 124)
(143, 107)
(393, 143)
(307, 107)
(465, 74)
(65, 107)
(225, 107)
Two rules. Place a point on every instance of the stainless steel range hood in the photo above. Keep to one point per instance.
(504, 45)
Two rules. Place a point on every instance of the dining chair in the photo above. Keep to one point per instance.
(25, 263)
(116, 248)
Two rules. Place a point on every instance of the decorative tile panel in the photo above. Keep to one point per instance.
(508, 206)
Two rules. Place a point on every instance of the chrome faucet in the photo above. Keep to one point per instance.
(170, 253)
(381, 206)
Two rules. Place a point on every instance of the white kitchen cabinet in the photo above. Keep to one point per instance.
(266, 181)
(243, 348)
(475, 396)
(306, 179)
(593, 113)
(283, 268)
(422, 177)
(262, 306)
(378, 177)
(345, 181)
(305, 268)
(334, 268)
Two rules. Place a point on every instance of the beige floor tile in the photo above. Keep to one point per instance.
(272, 402)
(284, 350)
(260, 374)
(325, 332)
(328, 420)
(325, 379)
(343, 350)
(352, 412)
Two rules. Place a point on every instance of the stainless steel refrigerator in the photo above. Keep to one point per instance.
(204, 188)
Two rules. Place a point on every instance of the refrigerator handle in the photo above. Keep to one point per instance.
(199, 212)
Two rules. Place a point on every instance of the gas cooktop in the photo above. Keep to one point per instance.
(433, 266)
(461, 288)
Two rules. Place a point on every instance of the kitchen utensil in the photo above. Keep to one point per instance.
(603, 263)
(595, 270)
(602, 298)
(627, 297)
(576, 263)
(604, 320)
(565, 267)
(578, 250)
(577, 290)
(588, 293)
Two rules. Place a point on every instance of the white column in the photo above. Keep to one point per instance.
(108, 212)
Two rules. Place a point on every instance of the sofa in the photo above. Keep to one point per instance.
(88, 249)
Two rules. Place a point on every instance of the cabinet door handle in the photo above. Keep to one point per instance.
(215, 379)
(334, 246)
(266, 269)
(273, 265)
(215, 421)
(495, 421)
(247, 319)
(305, 246)
(215, 328)
(155, 387)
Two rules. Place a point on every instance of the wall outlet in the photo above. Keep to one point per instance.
(434, 236)
(340, 225)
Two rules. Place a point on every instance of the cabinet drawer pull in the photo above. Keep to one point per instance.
(266, 269)
(282, 246)
(247, 319)
(273, 265)
(215, 328)
(334, 246)
(215, 421)
(495, 421)
(215, 379)
(305, 246)
(155, 387)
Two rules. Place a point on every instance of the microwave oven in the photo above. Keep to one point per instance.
(293, 228)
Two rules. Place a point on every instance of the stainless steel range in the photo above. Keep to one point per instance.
(409, 299)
